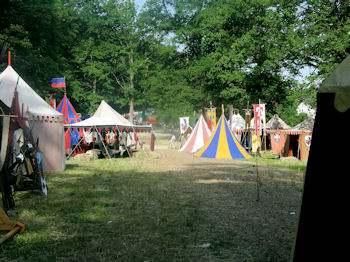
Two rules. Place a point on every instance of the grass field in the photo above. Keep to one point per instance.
(159, 206)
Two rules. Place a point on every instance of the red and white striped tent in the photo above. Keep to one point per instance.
(198, 137)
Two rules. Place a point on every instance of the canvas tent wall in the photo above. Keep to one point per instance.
(293, 142)
(5, 136)
(198, 137)
(46, 123)
(322, 217)
(277, 138)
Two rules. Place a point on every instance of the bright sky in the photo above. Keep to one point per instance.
(139, 3)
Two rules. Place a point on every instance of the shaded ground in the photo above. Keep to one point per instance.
(159, 206)
(226, 192)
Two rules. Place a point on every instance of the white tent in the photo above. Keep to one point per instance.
(106, 116)
(26, 95)
(46, 123)
(237, 122)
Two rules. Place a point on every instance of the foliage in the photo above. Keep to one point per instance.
(176, 56)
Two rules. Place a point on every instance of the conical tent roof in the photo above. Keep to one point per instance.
(27, 97)
(223, 144)
(70, 117)
(105, 110)
(106, 116)
(307, 124)
(198, 137)
(66, 108)
(276, 123)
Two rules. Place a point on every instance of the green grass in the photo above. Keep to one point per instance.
(271, 159)
(115, 210)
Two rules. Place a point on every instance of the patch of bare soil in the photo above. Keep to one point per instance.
(249, 216)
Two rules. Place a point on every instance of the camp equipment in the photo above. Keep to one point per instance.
(7, 225)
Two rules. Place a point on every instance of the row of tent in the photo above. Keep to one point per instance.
(222, 143)
(321, 218)
(226, 139)
(52, 129)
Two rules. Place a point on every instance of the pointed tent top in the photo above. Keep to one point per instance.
(26, 95)
(105, 115)
(66, 108)
(339, 82)
(105, 110)
(223, 144)
(307, 124)
(198, 137)
(276, 123)
(9, 58)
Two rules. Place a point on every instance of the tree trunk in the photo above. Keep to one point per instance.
(3, 50)
(94, 81)
(144, 106)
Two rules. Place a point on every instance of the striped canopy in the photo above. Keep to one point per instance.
(198, 137)
(72, 137)
(66, 108)
(223, 144)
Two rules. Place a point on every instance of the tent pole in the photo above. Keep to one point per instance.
(103, 143)
(81, 139)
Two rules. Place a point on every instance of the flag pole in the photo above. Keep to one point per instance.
(65, 86)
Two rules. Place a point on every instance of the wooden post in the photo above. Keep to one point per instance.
(257, 171)
(257, 181)
(65, 86)
(7, 225)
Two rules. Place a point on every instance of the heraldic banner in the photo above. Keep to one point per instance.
(260, 119)
(184, 124)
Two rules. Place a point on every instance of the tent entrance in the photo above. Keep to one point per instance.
(293, 147)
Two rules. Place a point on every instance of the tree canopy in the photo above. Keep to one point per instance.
(177, 55)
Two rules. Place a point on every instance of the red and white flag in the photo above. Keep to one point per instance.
(260, 119)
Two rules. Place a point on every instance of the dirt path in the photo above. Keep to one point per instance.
(225, 192)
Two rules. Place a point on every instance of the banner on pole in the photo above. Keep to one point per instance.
(184, 124)
(210, 114)
(260, 119)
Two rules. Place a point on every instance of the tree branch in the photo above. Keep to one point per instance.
(122, 85)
